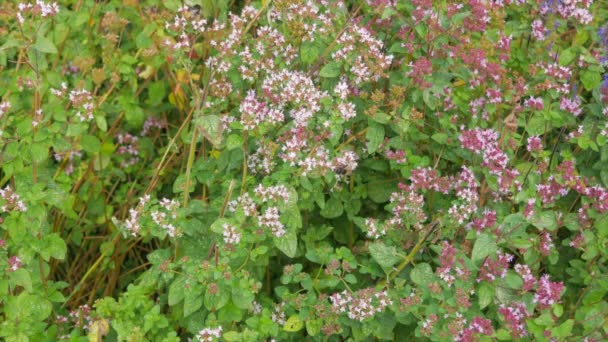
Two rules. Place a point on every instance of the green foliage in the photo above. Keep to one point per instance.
(299, 171)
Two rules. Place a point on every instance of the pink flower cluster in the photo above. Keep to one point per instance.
(488, 220)
(273, 193)
(294, 89)
(534, 144)
(132, 223)
(361, 305)
(365, 52)
(209, 334)
(515, 317)
(478, 325)
(152, 122)
(484, 142)
(39, 8)
(164, 217)
(14, 263)
(4, 108)
(231, 234)
(128, 147)
(80, 99)
(12, 201)
(261, 161)
(493, 268)
(70, 155)
(374, 229)
(575, 9)
(535, 103)
(548, 292)
(571, 105)
(526, 274)
(255, 112)
(446, 261)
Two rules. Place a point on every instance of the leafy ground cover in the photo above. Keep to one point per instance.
(295, 170)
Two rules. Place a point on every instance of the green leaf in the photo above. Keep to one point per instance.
(293, 324)
(52, 246)
(156, 93)
(385, 256)
(288, 243)
(230, 313)
(591, 79)
(176, 290)
(40, 152)
(215, 301)
(313, 326)
(380, 192)
(45, 45)
(333, 208)
(567, 56)
(211, 128)
(441, 138)
(308, 53)
(91, 143)
(234, 141)
(485, 292)
(134, 115)
(545, 220)
(564, 329)
(242, 298)
(374, 136)
(484, 245)
(231, 336)
(193, 300)
(330, 70)
(422, 274)
(218, 225)
(100, 121)
(20, 277)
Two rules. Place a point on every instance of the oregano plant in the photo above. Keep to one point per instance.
(303, 170)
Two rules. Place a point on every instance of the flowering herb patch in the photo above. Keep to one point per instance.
(286, 170)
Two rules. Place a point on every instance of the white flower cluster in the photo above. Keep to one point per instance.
(209, 334)
(41, 8)
(12, 201)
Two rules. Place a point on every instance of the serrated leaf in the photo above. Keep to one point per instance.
(45, 45)
(20, 277)
(193, 300)
(308, 53)
(330, 70)
(176, 291)
(567, 56)
(211, 128)
(293, 324)
(217, 300)
(234, 141)
(422, 274)
(313, 326)
(230, 313)
(333, 208)
(485, 245)
(374, 136)
(545, 220)
(39, 151)
(485, 292)
(385, 256)
(242, 298)
(288, 243)
(90, 143)
(564, 329)
(53, 247)
(591, 79)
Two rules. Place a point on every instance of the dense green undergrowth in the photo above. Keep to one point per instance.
(296, 170)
